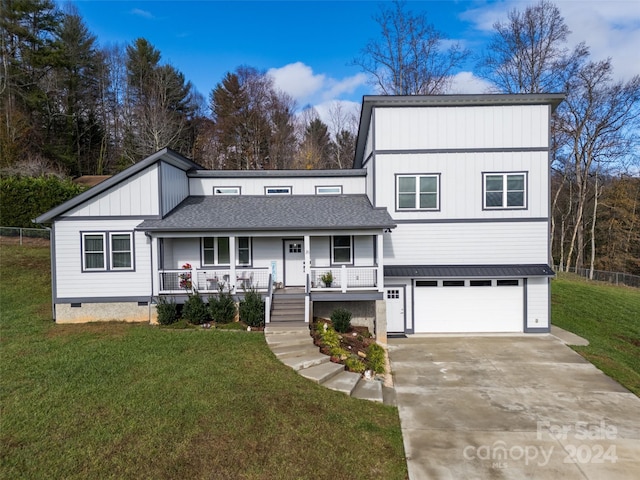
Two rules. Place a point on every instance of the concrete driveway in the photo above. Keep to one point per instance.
(511, 407)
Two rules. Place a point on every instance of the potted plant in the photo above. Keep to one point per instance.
(327, 279)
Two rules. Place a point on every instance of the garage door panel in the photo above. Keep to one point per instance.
(468, 309)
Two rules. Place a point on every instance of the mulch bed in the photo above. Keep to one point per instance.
(357, 339)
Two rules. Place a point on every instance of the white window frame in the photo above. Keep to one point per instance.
(248, 248)
(216, 252)
(416, 204)
(277, 190)
(329, 190)
(505, 192)
(333, 250)
(226, 190)
(112, 251)
(103, 251)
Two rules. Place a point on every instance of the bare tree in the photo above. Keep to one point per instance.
(601, 121)
(410, 57)
(343, 125)
(528, 52)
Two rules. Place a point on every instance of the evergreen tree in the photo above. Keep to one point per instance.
(27, 48)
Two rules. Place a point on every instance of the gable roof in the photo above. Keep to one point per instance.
(466, 100)
(287, 212)
(167, 155)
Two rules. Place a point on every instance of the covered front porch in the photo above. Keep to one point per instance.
(326, 247)
(208, 263)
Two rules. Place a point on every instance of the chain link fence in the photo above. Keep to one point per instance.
(616, 278)
(20, 234)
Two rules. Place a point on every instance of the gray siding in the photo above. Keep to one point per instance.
(175, 187)
(467, 244)
(71, 282)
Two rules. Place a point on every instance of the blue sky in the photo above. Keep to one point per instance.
(308, 45)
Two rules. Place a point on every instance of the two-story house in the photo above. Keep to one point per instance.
(441, 226)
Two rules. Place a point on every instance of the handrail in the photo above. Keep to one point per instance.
(269, 302)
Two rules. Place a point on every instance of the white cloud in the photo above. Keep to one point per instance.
(298, 80)
(309, 88)
(142, 13)
(609, 28)
(467, 82)
(347, 85)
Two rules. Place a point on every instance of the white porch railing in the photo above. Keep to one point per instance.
(214, 280)
(344, 278)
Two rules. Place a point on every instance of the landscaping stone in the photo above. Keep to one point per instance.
(294, 346)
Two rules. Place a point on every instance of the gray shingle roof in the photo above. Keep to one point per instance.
(469, 271)
(290, 212)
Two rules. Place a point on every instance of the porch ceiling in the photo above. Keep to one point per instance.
(290, 212)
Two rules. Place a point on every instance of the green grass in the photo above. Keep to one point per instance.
(134, 401)
(607, 316)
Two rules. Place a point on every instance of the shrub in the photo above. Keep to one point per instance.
(23, 198)
(376, 358)
(354, 364)
(167, 311)
(341, 319)
(223, 308)
(194, 310)
(251, 309)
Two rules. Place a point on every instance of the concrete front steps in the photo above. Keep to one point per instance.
(287, 307)
(292, 344)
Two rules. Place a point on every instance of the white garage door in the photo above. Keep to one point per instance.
(458, 306)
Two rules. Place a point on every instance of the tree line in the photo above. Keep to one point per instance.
(73, 107)
(70, 106)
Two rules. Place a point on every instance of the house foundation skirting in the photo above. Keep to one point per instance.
(104, 312)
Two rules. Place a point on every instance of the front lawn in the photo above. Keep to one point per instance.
(135, 401)
(607, 316)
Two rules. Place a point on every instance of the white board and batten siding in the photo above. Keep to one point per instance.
(470, 127)
(135, 196)
(256, 185)
(72, 282)
(461, 187)
(175, 186)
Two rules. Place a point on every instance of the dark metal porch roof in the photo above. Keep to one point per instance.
(469, 271)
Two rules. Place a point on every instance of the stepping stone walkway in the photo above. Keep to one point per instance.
(292, 344)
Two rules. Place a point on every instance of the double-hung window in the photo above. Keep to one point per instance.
(94, 251)
(215, 251)
(107, 251)
(505, 190)
(417, 192)
(341, 249)
(244, 251)
(121, 251)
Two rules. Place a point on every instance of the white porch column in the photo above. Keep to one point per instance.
(155, 263)
(307, 279)
(380, 261)
(307, 256)
(232, 266)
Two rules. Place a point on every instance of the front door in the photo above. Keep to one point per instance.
(294, 274)
(395, 309)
